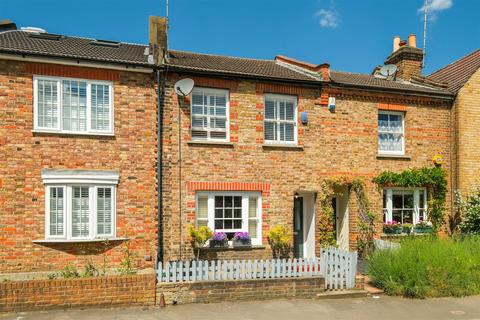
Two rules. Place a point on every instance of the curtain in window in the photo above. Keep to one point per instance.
(100, 102)
(80, 212)
(74, 103)
(47, 104)
(390, 132)
(104, 211)
(56, 211)
(209, 114)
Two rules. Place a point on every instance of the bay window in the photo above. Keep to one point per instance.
(230, 212)
(405, 205)
(73, 106)
(79, 204)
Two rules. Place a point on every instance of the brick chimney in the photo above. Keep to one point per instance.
(407, 57)
(158, 38)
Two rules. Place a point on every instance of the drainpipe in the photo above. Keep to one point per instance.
(159, 168)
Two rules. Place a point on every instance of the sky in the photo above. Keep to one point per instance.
(351, 35)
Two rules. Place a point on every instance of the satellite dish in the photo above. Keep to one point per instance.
(388, 70)
(184, 87)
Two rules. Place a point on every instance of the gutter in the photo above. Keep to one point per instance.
(159, 167)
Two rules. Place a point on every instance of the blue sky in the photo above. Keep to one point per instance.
(352, 35)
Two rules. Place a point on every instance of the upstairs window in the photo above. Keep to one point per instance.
(73, 106)
(209, 114)
(391, 133)
(280, 124)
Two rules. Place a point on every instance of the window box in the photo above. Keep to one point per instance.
(392, 230)
(218, 243)
(422, 230)
(242, 243)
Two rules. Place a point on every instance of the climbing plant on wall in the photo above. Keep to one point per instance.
(433, 178)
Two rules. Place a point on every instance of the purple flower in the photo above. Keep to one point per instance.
(219, 236)
(241, 236)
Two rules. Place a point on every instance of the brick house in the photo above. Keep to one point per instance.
(462, 78)
(251, 146)
(78, 153)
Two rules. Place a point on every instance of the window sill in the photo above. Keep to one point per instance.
(210, 143)
(93, 134)
(282, 146)
(232, 248)
(79, 240)
(393, 156)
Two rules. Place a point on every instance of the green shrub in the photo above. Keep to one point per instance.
(428, 267)
(69, 271)
(471, 219)
(280, 239)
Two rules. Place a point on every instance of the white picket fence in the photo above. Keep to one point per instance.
(336, 266)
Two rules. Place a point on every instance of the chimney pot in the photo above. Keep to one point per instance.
(412, 41)
(396, 43)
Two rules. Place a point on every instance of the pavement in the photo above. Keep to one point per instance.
(376, 307)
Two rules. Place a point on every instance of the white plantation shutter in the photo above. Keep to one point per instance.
(202, 211)
(209, 114)
(56, 211)
(80, 212)
(280, 122)
(104, 210)
(252, 216)
(100, 107)
(47, 104)
(74, 104)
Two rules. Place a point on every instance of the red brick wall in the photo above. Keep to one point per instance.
(79, 293)
(132, 151)
(337, 144)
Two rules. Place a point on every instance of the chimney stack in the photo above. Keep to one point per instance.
(158, 38)
(407, 57)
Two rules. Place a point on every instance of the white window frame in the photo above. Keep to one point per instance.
(208, 130)
(278, 121)
(389, 152)
(59, 128)
(416, 201)
(83, 178)
(245, 216)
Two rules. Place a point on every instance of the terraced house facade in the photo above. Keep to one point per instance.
(83, 121)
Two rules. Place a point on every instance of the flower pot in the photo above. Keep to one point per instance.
(218, 243)
(392, 231)
(423, 229)
(242, 242)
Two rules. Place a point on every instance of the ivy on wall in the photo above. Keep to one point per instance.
(432, 178)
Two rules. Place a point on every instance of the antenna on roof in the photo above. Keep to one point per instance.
(425, 16)
(168, 22)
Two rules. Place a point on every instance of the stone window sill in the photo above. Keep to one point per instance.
(393, 156)
(283, 146)
(211, 143)
(79, 240)
(67, 133)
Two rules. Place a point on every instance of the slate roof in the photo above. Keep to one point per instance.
(71, 47)
(21, 42)
(456, 74)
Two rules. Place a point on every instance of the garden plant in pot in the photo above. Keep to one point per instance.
(242, 239)
(392, 227)
(219, 240)
(407, 228)
(424, 227)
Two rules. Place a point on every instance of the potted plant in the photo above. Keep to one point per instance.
(392, 227)
(280, 239)
(219, 240)
(423, 227)
(407, 228)
(242, 239)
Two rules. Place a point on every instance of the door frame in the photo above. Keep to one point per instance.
(309, 223)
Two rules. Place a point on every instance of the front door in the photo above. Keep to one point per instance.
(298, 239)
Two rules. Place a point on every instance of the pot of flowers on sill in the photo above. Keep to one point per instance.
(424, 227)
(219, 240)
(242, 239)
(392, 227)
(407, 228)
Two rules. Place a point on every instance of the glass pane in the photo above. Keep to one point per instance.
(290, 111)
(237, 224)
(397, 199)
(218, 213)
(100, 101)
(397, 215)
(282, 109)
(289, 132)
(75, 102)
(228, 224)
(80, 212)
(408, 199)
(238, 202)
(104, 211)
(228, 202)
(218, 202)
(384, 199)
(237, 213)
(228, 213)
(270, 131)
(197, 98)
(407, 216)
(47, 104)
(56, 211)
(270, 109)
(218, 224)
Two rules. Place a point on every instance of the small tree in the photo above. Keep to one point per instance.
(471, 218)
(280, 239)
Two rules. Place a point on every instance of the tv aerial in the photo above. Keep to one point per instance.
(184, 87)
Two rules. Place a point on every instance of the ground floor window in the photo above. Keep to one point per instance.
(79, 204)
(230, 212)
(405, 205)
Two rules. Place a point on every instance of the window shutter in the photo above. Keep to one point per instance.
(56, 211)
(80, 212)
(100, 110)
(252, 216)
(104, 211)
(47, 104)
(74, 105)
(202, 211)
